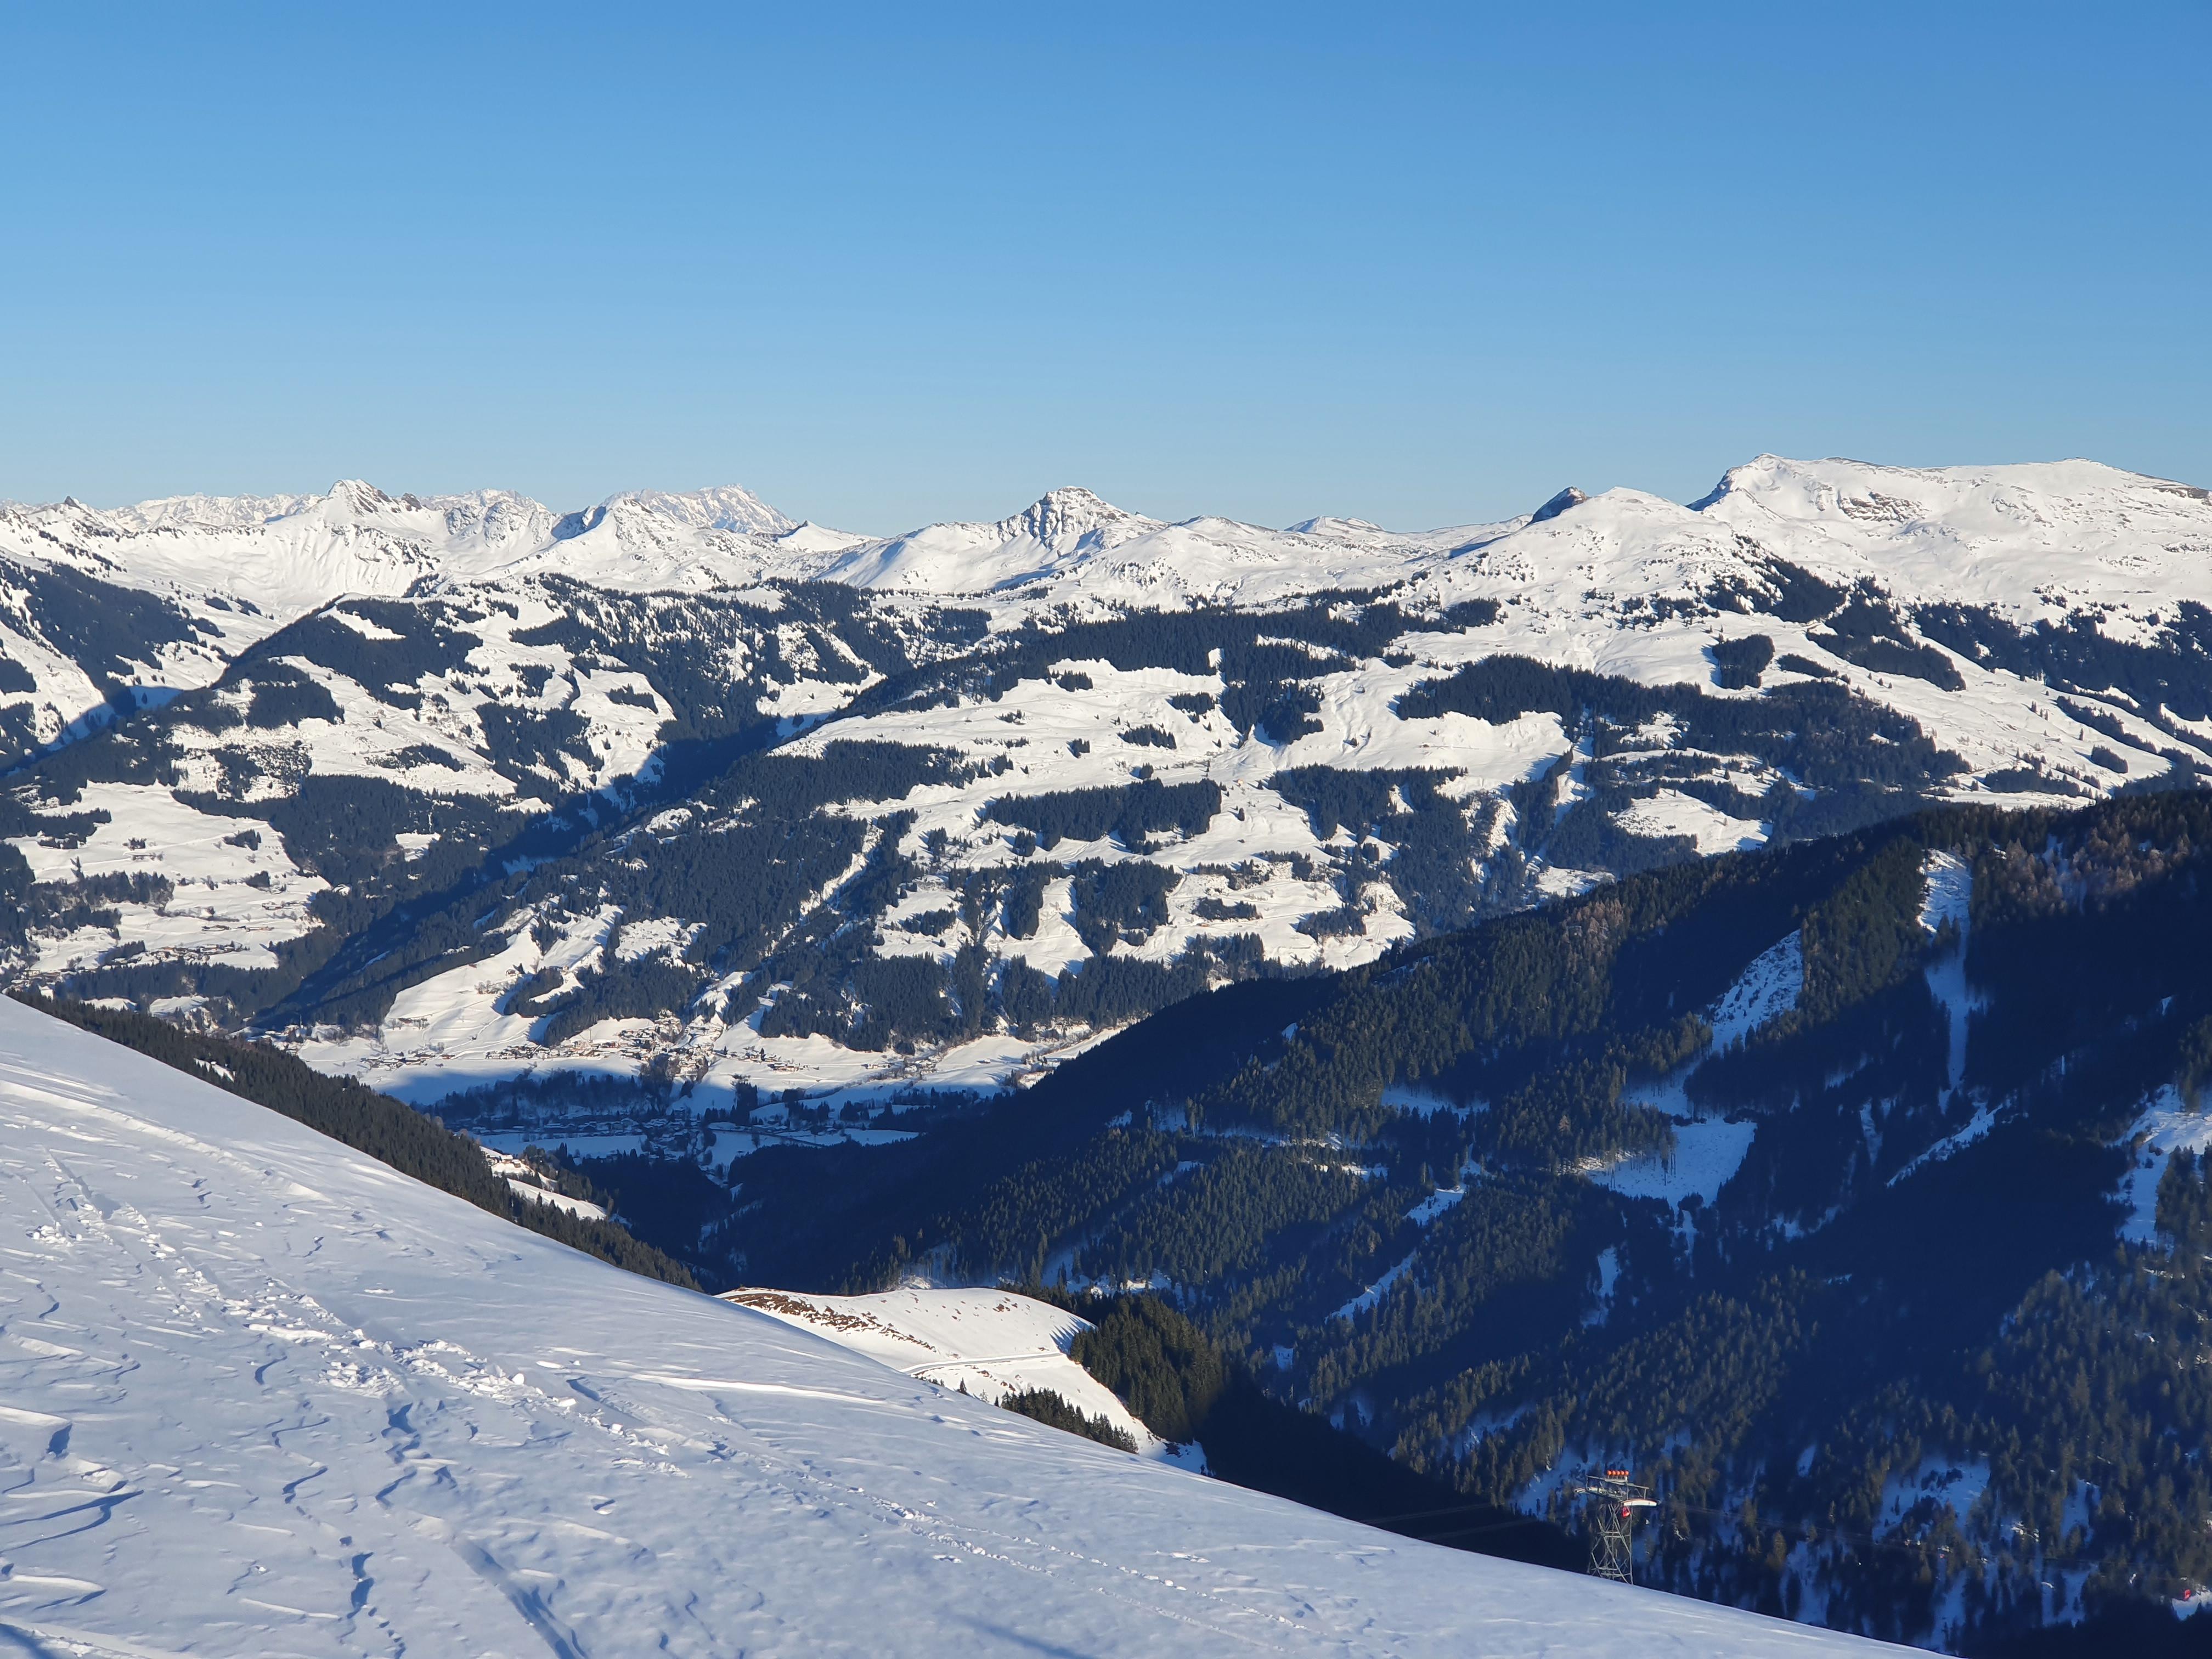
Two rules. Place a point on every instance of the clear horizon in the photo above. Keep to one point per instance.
(1423, 267)
(559, 506)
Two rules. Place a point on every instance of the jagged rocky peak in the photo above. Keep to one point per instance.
(1069, 512)
(722, 507)
(1568, 497)
(193, 513)
(346, 501)
(356, 496)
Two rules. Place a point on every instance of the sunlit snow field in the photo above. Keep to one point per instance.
(260, 1395)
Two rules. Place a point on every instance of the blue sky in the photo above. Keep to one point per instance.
(891, 264)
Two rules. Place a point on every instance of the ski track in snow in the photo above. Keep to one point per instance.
(1769, 988)
(1374, 1294)
(2166, 1126)
(261, 1395)
(1949, 902)
(1950, 892)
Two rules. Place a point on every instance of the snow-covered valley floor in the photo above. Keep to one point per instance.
(260, 1395)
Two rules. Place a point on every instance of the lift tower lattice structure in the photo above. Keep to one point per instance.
(1614, 1504)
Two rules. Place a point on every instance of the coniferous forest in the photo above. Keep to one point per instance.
(1853, 1194)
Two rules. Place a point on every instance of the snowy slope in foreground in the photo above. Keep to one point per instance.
(258, 1394)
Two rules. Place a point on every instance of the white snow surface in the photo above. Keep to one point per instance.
(259, 1396)
(2029, 538)
(1434, 1205)
(2167, 1124)
(2020, 537)
(1983, 1120)
(991, 1343)
(1948, 900)
(1071, 537)
(289, 555)
(1708, 1151)
(1765, 990)
(576, 1206)
(214, 913)
(1373, 1295)
(1671, 812)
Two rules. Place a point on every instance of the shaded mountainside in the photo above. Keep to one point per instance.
(1852, 1193)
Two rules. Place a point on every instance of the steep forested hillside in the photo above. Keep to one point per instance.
(1852, 1193)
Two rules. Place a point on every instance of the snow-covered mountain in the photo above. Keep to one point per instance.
(1070, 543)
(286, 555)
(260, 1395)
(476, 792)
(2069, 531)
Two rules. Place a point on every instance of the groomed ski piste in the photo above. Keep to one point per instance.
(261, 1395)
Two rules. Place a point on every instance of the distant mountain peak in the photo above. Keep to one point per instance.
(1568, 497)
(1326, 524)
(356, 496)
(721, 507)
(808, 537)
(1069, 511)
